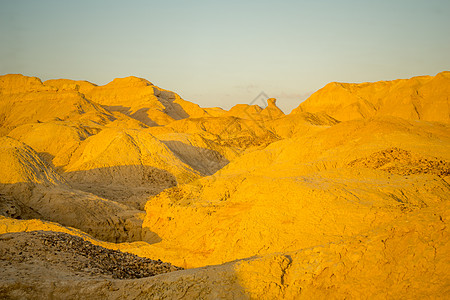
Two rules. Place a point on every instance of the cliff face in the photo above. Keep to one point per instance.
(419, 98)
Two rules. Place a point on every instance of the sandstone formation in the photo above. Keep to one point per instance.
(346, 197)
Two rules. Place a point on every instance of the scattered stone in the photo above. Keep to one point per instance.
(78, 255)
(398, 161)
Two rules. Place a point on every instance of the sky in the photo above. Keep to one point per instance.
(220, 53)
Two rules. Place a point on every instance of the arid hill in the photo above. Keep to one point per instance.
(346, 197)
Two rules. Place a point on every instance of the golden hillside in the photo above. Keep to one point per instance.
(346, 197)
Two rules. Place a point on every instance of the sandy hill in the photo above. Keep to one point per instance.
(419, 98)
(122, 164)
(27, 100)
(137, 98)
(54, 141)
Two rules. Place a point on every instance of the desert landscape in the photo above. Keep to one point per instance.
(128, 191)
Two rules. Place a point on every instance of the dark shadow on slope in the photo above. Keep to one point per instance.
(119, 108)
(176, 111)
(140, 115)
(102, 218)
(172, 110)
(130, 185)
(48, 158)
(15, 209)
(206, 161)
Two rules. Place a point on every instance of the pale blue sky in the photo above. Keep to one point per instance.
(219, 53)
